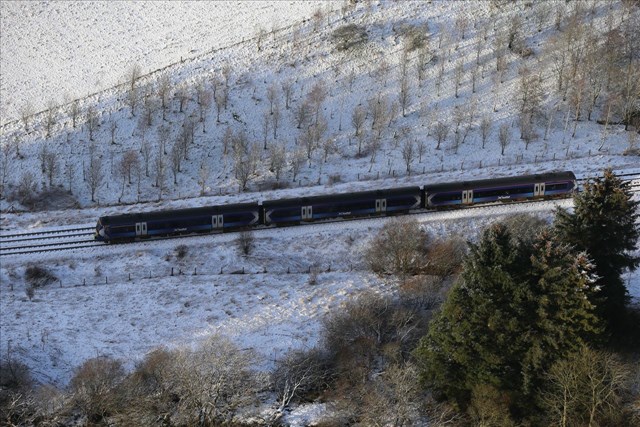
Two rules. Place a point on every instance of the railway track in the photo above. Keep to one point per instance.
(82, 237)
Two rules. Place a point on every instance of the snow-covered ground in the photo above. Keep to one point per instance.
(49, 49)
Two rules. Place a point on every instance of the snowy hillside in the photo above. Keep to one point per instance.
(190, 102)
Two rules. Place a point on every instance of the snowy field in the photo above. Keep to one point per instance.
(122, 301)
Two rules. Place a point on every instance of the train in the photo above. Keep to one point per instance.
(361, 204)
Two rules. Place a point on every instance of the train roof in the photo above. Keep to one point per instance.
(344, 196)
(165, 214)
(525, 179)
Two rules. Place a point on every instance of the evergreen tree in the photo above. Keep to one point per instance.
(603, 223)
(516, 309)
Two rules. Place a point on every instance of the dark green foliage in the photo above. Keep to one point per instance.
(349, 36)
(603, 224)
(516, 309)
(37, 276)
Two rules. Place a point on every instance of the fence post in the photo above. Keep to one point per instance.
(84, 282)
(106, 280)
(129, 276)
(195, 271)
(172, 271)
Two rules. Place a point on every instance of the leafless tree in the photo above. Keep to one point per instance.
(145, 149)
(277, 159)
(373, 146)
(182, 95)
(94, 173)
(358, 117)
(132, 99)
(296, 374)
(92, 121)
(316, 97)
(275, 119)
(266, 127)
(26, 112)
(421, 146)
(164, 92)
(149, 105)
(287, 90)
(296, 160)
(203, 108)
(399, 248)
(69, 172)
(133, 74)
(441, 130)
(246, 166)
(527, 131)
(462, 24)
(530, 94)
(176, 160)
(4, 167)
(15, 143)
(164, 133)
(504, 137)
(272, 96)
(160, 170)
(113, 126)
(74, 111)
(404, 96)
(203, 177)
(52, 110)
(459, 73)
(302, 114)
(408, 153)
(226, 78)
(50, 166)
(214, 381)
(485, 129)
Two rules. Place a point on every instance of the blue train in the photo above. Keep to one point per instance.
(128, 227)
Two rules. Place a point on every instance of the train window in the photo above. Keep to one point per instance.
(447, 197)
(557, 187)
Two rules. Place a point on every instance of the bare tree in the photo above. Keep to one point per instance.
(328, 147)
(4, 167)
(176, 160)
(272, 96)
(246, 166)
(182, 95)
(113, 126)
(316, 97)
(26, 112)
(485, 129)
(203, 176)
(149, 105)
(133, 74)
(277, 159)
(504, 136)
(296, 160)
(459, 73)
(266, 125)
(94, 173)
(287, 89)
(74, 111)
(92, 121)
(441, 130)
(358, 117)
(408, 153)
(50, 166)
(132, 99)
(69, 172)
(52, 110)
(227, 140)
(164, 92)
(203, 107)
(302, 114)
(164, 133)
(405, 91)
(145, 149)
(160, 169)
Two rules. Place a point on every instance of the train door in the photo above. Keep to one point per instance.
(141, 229)
(307, 212)
(467, 197)
(381, 205)
(217, 221)
(538, 189)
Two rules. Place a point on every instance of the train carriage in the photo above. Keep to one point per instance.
(181, 221)
(348, 205)
(453, 194)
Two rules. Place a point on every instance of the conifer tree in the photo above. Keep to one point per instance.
(517, 308)
(603, 223)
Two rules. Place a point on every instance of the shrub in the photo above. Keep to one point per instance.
(349, 36)
(94, 387)
(38, 277)
(444, 257)
(300, 376)
(400, 248)
(181, 251)
(245, 242)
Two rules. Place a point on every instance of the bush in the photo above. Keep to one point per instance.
(444, 257)
(94, 388)
(245, 242)
(349, 36)
(181, 251)
(37, 276)
(300, 376)
(400, 248)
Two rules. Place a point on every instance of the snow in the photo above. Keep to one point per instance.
(122, 300)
